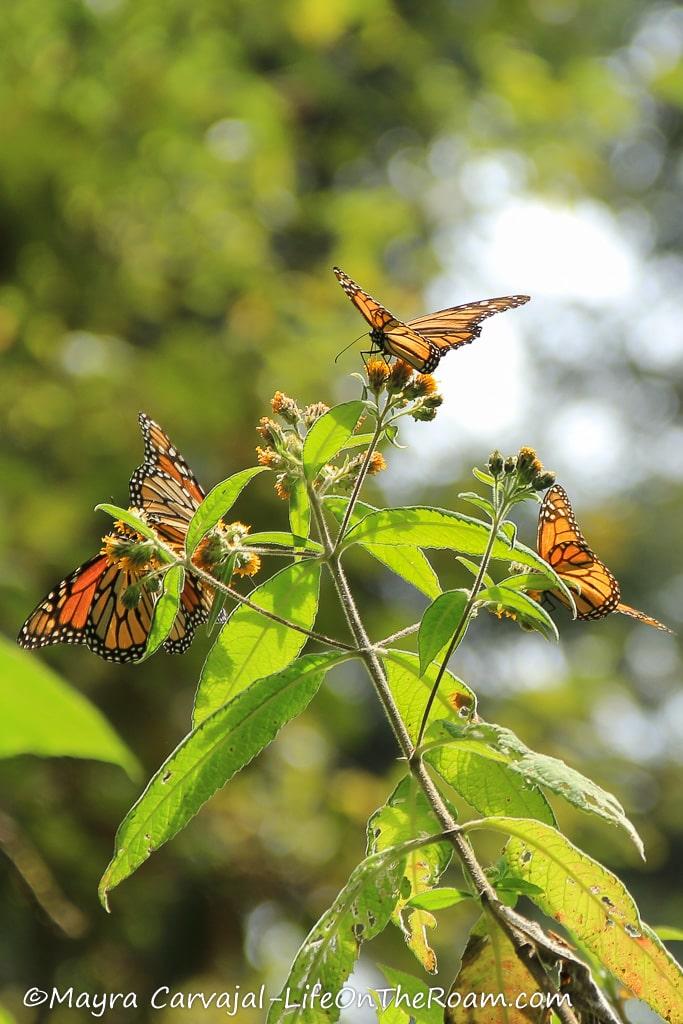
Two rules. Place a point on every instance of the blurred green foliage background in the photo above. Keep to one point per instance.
(175, 182)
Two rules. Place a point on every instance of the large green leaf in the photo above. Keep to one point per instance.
(407, 813)
(487, 783)
(216, 504)
(208, 756)
(490, 967)
(300, 511)
(250, 646)
(406, 561)
(521, 607)
(329, 435)
(411, 690)
(427, 527)
(41, 714)
(413, 995)
(438, 624)
(165, 609)
(596, 909)
(493, 741)
(361, 911)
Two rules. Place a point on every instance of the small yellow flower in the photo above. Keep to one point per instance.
(401, 373)
(268, 457)
(281, 488)
(128, 551)
(267, 429)
(250, 567)
(378, 371)
(421, 386)
(377, 463)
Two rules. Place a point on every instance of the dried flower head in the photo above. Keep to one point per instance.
(268, 457)
(543, 480)
(283, 405)
(268, 430)
(314, 412)
(282, 487)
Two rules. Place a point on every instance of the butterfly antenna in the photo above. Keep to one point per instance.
(347, 347)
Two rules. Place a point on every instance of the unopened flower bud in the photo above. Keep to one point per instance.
(509, 464)
(495, 463)
(131, 596)
(424, 413)
(268, 430)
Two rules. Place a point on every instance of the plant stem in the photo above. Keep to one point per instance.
(362, 473)
(464, 850)
(464, 618)
(241, 599)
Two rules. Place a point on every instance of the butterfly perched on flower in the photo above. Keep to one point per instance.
(108, 602)
(561, 543)
(423, 342)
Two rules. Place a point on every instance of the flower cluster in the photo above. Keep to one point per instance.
(223, 543)
(417, 393)
(282, 451)
(524, 470)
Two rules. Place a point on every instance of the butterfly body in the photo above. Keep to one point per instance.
(423, 342)
(562, 544)
(92, 606)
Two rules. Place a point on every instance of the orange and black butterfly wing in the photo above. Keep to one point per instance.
(374, 312)
(164, 486)
(450, 328)
(87, 608)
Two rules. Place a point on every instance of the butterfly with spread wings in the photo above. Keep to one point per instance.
(91, 605)
(561, 543)
(423, 342)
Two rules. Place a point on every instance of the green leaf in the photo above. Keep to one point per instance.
(473, 568)
(483, 504)
(165, 610)
(41, 714)
(278, 539)
(596, 909)
(523, 608)
(129, 518)
(547, 772)
(439, 899)
(490, 967)
(250, 646)
(439, 623)
(216, 504)
(357, 441)
(411, 690)
(414, 995)
(486, 782)
(668, 933)
(360, 912)
(527, 581)
(328, 435)
(483, 478)
(409, 563)
(224, 574)
(208, 756)
(300, 511)
(407, 813)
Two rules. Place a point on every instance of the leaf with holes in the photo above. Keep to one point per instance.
(407, 813)
(596, 909)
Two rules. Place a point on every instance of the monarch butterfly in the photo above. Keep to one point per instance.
(89, 606)
(561, 543)
(424, 341)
